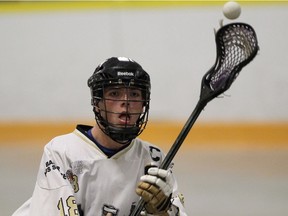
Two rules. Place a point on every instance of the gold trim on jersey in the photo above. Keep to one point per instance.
(91, 143)
(88, 141)
(123, 151)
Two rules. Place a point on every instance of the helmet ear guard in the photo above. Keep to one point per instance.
(119, 71)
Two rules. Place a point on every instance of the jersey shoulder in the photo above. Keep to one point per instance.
(74, 145)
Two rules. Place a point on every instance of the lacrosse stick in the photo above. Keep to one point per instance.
(236, 45)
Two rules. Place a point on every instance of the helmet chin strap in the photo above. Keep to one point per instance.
(121, 135)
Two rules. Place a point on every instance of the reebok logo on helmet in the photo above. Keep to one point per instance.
(126, 73)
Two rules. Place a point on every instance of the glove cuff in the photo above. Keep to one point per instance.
(165, 205)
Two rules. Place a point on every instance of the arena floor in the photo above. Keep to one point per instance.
(215, 181)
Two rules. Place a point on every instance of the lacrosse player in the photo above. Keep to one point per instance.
(105, 169)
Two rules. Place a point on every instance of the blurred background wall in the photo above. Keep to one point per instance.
(49, 49)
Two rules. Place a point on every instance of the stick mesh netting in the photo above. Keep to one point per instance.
(236, 46)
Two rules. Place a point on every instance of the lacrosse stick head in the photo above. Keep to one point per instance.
(236, 45)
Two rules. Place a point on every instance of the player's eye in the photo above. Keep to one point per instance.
(113, 93)
(122, 93)
(135, 94)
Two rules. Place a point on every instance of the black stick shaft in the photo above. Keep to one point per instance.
(182, 135)
(175, 147)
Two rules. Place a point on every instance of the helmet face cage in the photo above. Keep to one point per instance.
(120, 74)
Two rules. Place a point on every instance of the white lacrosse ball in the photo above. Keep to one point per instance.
(231, 10)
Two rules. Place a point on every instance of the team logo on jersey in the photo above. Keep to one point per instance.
(109, 210)
(77, 167)
(73, 179)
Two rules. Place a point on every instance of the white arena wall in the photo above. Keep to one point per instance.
(48, 53)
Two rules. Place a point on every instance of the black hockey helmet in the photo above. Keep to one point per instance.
(120, 71)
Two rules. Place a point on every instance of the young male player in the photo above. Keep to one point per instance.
(102, 170)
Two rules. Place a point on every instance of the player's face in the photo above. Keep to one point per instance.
(121, 106)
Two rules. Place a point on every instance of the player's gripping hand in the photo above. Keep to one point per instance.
(156, 190)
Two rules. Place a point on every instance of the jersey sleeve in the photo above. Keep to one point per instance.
(53, 193)
(177, 200)
(177, 207)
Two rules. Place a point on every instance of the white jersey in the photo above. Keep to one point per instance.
(76, 178)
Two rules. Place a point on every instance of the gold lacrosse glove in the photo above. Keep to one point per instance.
(156, 188)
